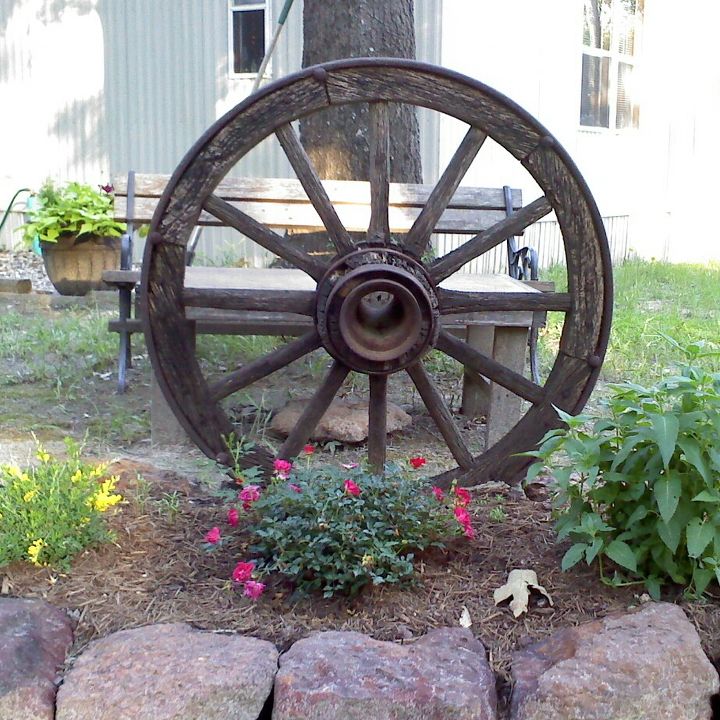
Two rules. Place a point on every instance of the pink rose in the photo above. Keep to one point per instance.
(462, 515)
(463, 496)
(254, 589)
(213, 536)
(438, 493)
(468, 531)
(233, 517)
(282, 468)
(243, 571)
(351, 488)
(350, 466)
(250, 494)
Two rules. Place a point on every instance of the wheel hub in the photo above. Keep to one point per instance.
(377, 311)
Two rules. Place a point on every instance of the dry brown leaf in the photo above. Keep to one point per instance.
(518, 586)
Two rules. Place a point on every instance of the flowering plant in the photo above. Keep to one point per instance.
(53, 510)
(73, 209)
(336, 530)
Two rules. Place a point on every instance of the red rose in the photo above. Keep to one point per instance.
(417, 462)
(351, 488)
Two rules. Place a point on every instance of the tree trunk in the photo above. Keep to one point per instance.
(337, 139)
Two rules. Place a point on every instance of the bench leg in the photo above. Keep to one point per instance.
(165, 429)
(125, 351)
(504, 411)
(476, 389)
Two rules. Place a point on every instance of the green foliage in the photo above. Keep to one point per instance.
(642, 486)
(324, 538)
(73, 209)
(53, 510)
(651, 299)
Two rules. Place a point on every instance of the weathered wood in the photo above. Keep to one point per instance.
(313, 411)
(418, 237)
(472, 102)
(448, 264)
(509, 350)
(377, 423)
(476, 388)
(379, 226)
(291, 301)
(262, 235)
(355, 216)
(454, 301)
(586, 253)
(440, 413)
(313, 187)
(264, 366)
(203, 173)
(492, 369)
(287, 191)
(13, 285)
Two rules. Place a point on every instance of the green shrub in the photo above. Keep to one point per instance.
(337, 529)
(53, 510)
(642, 487)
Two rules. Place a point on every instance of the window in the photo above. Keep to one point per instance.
(611, 35)
(247, 36)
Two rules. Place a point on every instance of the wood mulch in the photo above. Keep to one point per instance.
(156, 571)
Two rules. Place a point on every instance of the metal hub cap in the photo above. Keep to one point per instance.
(377, 311)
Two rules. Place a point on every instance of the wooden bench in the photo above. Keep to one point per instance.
(283, 206)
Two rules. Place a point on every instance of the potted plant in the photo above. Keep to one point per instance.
(78, 235)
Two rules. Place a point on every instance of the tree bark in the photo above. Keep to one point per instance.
(337, 139)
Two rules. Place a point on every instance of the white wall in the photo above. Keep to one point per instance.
(659, 174)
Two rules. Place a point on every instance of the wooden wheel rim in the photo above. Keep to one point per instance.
(586, 328)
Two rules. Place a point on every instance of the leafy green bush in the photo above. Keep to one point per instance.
(74, 209)
(337, 529)
(642, 487)
(52, 511)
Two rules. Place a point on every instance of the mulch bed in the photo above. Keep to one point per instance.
(157, 571)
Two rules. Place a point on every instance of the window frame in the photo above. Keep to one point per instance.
(236, 6)
(616, 58)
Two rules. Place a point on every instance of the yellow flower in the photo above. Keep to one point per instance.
(29, 495)
(34, 550)
(42, 455)
(368, 561)
(99, 470)
(105, 498)
(13, 471)
(77, 476)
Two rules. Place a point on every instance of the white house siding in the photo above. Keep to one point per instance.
(648, 183)
(92, 88)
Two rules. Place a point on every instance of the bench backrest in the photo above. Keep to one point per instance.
(281, 203)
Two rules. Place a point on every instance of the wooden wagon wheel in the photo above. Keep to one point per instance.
(360, 270)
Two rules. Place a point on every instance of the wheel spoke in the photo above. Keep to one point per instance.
(440, 413)
(301, 302)
(419, 236)
(265, 365)
(313, 187)
(513, 225)
(490, 368)
(379, 228)
(457, 301)
(377, 423)
(314, 410)
(262, 235)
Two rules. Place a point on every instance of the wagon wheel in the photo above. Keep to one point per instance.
(342, 307)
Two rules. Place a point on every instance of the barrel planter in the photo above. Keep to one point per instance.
(75, 264)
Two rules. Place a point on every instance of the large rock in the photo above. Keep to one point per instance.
(643, 664)
(169, 672)
(345, 420)
(333, 675)
(34, 639)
